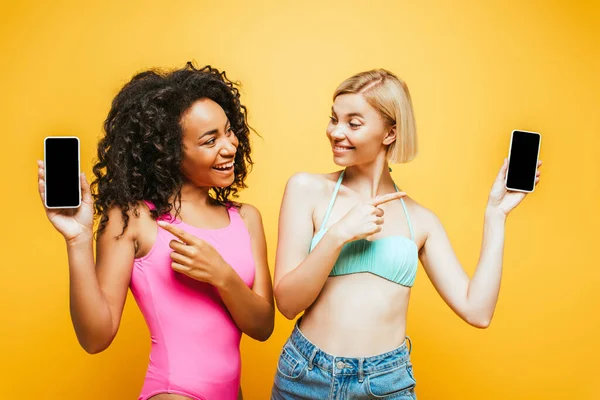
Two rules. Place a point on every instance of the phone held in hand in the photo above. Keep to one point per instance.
(61, 164)
(522, 161)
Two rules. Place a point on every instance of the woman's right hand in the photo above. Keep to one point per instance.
(72, 223)
(364, 219)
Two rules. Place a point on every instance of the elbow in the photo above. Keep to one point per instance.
(93, 348)
(263, 338)
(478, 316)
(290, 315)
(94, 334)
(264, 334)
(94, 345)
(480, 322)
(483, 324)
(264, 326)
(286, 310)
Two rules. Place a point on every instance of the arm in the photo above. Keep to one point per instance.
(474, 300)
(299, 275)
(252, 309)
(97, 291)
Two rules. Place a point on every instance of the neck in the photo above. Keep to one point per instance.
(194, 194)
(370, 179)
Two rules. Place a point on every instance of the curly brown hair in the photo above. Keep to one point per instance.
(140, 156)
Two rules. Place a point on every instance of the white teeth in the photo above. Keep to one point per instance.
(224, 166)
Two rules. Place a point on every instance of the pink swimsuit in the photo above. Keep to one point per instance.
(195, 342)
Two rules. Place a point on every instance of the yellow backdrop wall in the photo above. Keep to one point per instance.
(476, 70)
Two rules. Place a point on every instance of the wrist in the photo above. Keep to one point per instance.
(494, 213)
(337, 237)
(225, 278)
(83, 239)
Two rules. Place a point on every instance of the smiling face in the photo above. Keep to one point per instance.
(209, 145)
(357, 132)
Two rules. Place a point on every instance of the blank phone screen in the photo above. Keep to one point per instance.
(522, 164)
(62, 172)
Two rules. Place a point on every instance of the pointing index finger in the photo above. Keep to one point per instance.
(178, 232)
(377, 201)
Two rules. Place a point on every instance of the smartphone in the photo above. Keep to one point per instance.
(522, 161)
(61, 162)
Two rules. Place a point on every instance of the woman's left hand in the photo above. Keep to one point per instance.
(196, 258)
(503, 199)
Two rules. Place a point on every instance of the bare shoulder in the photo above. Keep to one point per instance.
(423, 217)
(250, 213)
(305, 181)
(310, 184)
(252, 219)
(138, 218)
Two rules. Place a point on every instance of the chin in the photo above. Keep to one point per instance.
(228, 181)
(342, 161)
(218, 183)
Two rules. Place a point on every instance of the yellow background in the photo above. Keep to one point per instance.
(476, 71)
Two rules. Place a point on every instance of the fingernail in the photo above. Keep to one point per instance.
(161, 223)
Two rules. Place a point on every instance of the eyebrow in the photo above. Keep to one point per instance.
(212, 131)
(354, 114)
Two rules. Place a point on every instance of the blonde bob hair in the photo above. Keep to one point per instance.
(389, 95)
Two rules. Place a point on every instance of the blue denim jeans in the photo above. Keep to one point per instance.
(306, 372)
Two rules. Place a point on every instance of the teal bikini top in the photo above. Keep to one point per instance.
(394, 258)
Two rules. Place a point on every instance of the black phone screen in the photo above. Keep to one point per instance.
(62, 172)
(522, 163)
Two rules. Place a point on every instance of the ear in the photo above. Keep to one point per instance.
(390, 136)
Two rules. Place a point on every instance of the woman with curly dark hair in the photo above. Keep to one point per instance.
(176, 151)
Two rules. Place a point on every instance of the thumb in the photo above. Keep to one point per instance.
(86, 193)
(502, 172)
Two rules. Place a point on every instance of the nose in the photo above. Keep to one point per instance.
(338, 133)
(229, 148)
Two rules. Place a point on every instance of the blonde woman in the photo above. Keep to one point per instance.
(349, 246)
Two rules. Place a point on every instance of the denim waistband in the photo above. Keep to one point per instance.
(348, 365)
